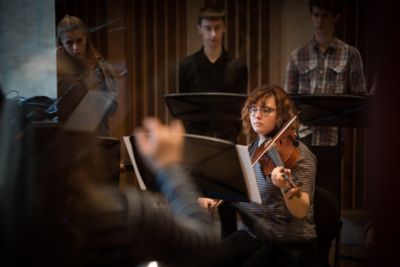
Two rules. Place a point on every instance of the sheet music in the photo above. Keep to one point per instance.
(220, 168)
(250, 178)
(89, 113)
(128, 145)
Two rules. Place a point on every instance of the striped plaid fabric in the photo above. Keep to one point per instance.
(338, 70)
(273, 209)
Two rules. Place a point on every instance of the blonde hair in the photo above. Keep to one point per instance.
(71, 23)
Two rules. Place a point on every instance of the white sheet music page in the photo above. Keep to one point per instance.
(128, 145)
(250, 178)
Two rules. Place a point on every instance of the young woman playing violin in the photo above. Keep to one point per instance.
(287, 234)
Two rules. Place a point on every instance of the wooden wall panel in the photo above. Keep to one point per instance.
(161, 45)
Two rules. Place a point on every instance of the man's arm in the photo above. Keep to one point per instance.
(183, 79)
(130, 227)
(356, 77)
(236, 77)
(181, 228)
(291, 83)
(184, 226)
(244, 78)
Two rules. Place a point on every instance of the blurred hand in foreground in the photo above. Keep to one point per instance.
(160, 145)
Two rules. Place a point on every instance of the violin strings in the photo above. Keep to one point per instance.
(276, 159)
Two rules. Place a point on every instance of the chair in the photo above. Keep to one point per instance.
(328, 225)
(327, 217)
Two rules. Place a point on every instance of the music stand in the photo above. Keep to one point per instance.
(218, 167)
(196, 108)
(332, 110)
(335, 111)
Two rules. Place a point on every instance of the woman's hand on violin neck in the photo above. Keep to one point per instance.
(278, 177)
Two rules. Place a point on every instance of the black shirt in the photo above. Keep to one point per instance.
(227, 75)
(198, 74)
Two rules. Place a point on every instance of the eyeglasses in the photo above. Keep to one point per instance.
(265, 111)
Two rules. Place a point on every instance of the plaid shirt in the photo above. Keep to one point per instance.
(337, 71)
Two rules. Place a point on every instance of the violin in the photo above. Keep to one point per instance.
(280, 151)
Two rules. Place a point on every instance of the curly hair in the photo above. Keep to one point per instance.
(284, 104)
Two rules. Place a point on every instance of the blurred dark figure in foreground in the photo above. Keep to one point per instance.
(124, 229)
(57, 209)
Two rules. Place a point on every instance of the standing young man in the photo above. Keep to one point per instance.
(212, 69)
(325, 65)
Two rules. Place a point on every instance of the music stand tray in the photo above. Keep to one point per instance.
(332, 110)
(211, 107)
